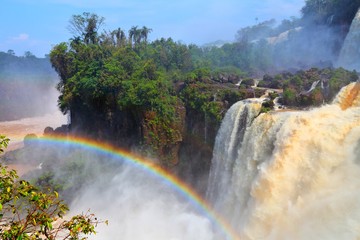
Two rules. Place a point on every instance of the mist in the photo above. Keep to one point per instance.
(349, 55)
(292, 45)
(27, 86)
(137, 203)
(306, 47)
(316, 39)
(139, 207)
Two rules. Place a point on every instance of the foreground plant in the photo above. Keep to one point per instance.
(28, 213)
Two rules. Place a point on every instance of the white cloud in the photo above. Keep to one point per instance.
(21, 37)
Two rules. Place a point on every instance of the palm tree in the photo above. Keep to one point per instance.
(133, 34)
(145, 33)
(119, 37)
(138, 36)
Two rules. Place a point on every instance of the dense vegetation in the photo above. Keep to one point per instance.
(26, 83)
(162, 95)
(312, 87)
(133, 91)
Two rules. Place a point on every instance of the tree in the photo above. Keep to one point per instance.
(145, 33)
(4, 141)
(137, 35)
(256, 32)
(28, 213)
(119, 37)
(11, 52)
(29, 54)
(86, 26)
(134, 35)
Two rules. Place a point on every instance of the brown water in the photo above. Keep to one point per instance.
(18, 129)
(290, 175)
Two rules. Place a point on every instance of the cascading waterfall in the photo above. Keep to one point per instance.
(290, 174)
(350, 52)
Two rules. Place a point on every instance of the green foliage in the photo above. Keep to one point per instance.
(4, 142)
(267, 106)
(28, 213)
(213, 110)
(209, 99)
(109, 76)
(86, 27)
(232, 96)
(289, 96)
(136, 89)
(296, 80)
(258, 31)
(296, 86)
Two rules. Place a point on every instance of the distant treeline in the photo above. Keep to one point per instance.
(27, 86)
(11, 65)
(314, 39)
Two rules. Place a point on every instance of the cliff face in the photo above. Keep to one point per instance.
(163, 139)
(183, 145)
(196, 149)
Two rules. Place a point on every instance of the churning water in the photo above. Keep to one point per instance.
(290, 174)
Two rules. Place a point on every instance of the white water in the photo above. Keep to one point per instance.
(239, 83)
(350, 52)
(139, 207)
(282, 37)
(313, 86)
(290, 175)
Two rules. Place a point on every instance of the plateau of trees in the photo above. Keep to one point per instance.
(136, 88)
(130, 85)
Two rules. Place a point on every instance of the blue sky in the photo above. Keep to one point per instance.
(37, 25)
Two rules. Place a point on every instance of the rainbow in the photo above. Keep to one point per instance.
(150, 167)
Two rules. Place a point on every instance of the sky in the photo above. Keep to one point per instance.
(38, 25)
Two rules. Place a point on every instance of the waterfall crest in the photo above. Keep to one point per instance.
(290, 174)
(350, 52)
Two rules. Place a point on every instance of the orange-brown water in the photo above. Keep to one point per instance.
(18, 129)
(294, 175)
(352, 97)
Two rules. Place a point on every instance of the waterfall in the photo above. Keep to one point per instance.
(290, 174)
(350, 52)
(313, 86)
(229, 137)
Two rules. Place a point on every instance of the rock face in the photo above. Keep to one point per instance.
(164, 138)
(196, 148)
(183, 146)
(136, 130)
